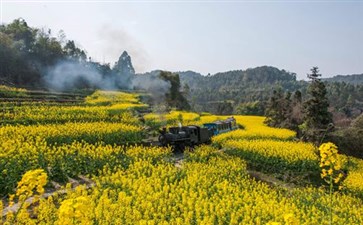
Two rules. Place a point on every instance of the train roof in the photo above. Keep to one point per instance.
(229, 119)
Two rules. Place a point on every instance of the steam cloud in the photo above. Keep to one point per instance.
(152, 84)
(67, 74)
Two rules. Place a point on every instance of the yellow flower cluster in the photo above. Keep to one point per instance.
(7, 88)
(254, 128)
(330, 163)
(354, 180)
(69, 132)
(289, 219)
(173, 118)
(275, 156)
(100, 106)
(29, 191)
(59, 114)
(74, 211)
(209, 119)
(70, 160)
(32, 180)
(113, 97)
(209, 188)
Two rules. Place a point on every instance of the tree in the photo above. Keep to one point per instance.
(350, 140)
(250, 108)
(73, 52)
(275, 112)
(296, 113)
(174, 97)
(316, 114)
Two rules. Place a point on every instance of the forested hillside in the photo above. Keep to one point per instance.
(40, 59)
(240, 85)
(251, 89)
(351, 79)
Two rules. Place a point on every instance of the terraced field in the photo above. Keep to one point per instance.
(43, 148)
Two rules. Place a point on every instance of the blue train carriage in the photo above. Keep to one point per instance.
(222, 126)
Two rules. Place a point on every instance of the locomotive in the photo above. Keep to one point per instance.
(183, 136)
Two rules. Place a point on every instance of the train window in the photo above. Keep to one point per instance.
(195, 132)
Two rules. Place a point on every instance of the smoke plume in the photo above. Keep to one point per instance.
(68, 75)
(152, 84)
(115, 40)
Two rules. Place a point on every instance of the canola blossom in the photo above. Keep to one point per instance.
(69, 132)
(173, 118)
(211, 187)
(254, 128)
(144, 185)
(354, 179)
(70, 160)
(112, 97)
(46, 114)
(275, 156)
(110, 106)
(330, 163)
(173, 115)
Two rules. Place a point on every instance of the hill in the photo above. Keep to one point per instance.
(255, 85)
(351, 79)
(240, 85)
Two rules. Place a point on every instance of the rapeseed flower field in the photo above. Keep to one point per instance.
(134, 184)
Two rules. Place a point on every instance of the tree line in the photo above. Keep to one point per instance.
(248, 91)
(311, 119)
(37, 59)
(28, 54)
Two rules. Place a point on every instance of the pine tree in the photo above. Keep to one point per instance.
(316, 114)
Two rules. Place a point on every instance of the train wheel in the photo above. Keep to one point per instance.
(179, 147)
(162, 140)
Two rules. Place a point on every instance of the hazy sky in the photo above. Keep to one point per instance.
(208, 36)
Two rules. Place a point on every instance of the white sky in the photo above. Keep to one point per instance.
(208, 36)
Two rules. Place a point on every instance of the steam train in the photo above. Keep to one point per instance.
(183, 136)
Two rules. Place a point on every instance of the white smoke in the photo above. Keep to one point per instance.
(68, 74)
(152, 84)
(115, 40)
